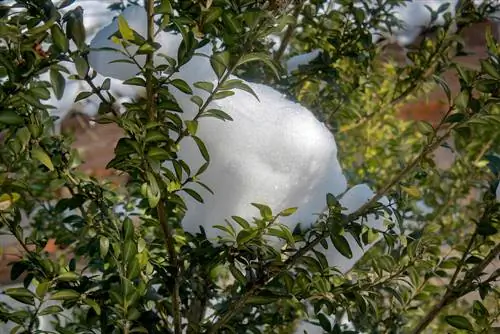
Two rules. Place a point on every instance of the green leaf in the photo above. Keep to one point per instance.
(10, 117)
(125, 30)
(202, 148)
(129, 251)
(68, 294)
(459, 322)
(238, 84)
(197, 100)
(82, 96)
(148, 48)
(192, 127)
(68, 276)
(223, 94)
(22, 295)
(340, 243)
(212, 14)
(205, 85)
(265, 211)
(219, 62)
(135, 82)
(103, 246)
(462, 100)
(332, 201)
(489, 69)
(242, 222)
(128, 229)
(58, 83)
(258, 56)
(413, 191)
(182, 86)
(92, 303)
(237, 274)
(53, 309)
(217, 113)
(39, 154)
(42, 288)
(262, 300)
(82, 67)
(245, 236)
(193, 194)
(60, 40)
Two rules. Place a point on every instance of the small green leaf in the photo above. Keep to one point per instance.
(68, 276)
(413, 191)
(92, 303)
(82, 96)
(58, 83)
(182, 86)
(53, 309)
(22, 295)
(193, 194)
(205, 85)
(219, 62)
(223, 94)
(217, 113)
(238, 84)
(262, 300)
(128, 229)
(42, 288)
(265, 211)
(202, 148)
(242, 222)
(192, 127)
(212, 14)
(197, 100)
(135, 82)
(125, 30)
(459, 322)
(65, 295)
(82, 67)
(245, 236)
(237, 274)
(60, 40)
(10, 117)
(257, 56)
(39, 154)
(489, 69)
(342, 245)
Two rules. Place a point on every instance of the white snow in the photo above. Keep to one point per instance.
(294, 62)
(274, 152)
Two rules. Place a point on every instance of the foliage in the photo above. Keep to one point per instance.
(138, 271)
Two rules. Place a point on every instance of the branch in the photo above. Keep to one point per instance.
(169, 242)
(150, 105)
(288, 34)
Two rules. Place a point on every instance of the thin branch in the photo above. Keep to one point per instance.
(150, 103)
(169, 242)
(288, 34)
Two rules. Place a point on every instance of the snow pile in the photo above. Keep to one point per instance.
(273, 152)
